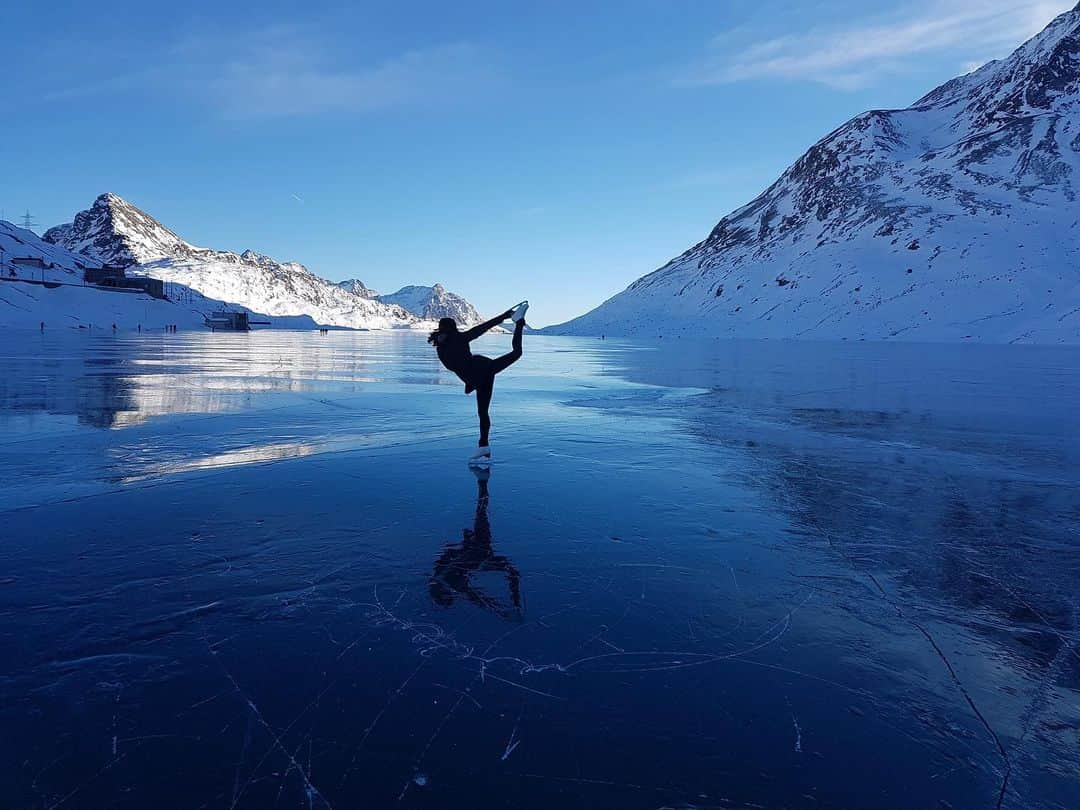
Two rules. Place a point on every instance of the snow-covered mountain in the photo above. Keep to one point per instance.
(953, 219)
(428, 303)
(114, 231)
(432, 303)
(42, 283)
(259, 282)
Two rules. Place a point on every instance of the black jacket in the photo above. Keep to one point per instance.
(454, 351)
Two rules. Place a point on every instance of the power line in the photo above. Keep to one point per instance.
(28, 221)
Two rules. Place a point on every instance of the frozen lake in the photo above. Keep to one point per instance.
(254, 571)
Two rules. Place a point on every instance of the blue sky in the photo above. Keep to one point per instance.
(555, 151)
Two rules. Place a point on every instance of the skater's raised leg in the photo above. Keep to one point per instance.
(507, 360)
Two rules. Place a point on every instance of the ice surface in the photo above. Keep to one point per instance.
(254, 570)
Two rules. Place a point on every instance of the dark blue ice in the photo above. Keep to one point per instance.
(251, 571)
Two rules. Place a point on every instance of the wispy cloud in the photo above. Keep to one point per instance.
(285, 71)
(855, 55)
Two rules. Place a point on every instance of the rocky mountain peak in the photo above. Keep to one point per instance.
(1040, 75)
(357, 287)
(108, 199)
(113, 231)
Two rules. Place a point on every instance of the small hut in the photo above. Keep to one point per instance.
(223, 321)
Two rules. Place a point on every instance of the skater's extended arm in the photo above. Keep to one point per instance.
(478, 330)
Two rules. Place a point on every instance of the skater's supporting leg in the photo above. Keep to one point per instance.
(483, 401)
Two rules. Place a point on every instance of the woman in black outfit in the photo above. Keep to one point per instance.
(475, 370)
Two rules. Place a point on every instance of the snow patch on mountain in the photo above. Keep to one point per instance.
(357, 287)
(18, 243)
(953, 219)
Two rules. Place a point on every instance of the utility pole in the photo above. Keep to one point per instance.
(28, 221)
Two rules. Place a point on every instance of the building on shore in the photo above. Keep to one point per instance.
(117, 278)
(223, 321)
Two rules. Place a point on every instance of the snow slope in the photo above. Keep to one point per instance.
(289, 289)
(114, 231)
(953, 219)
(67, 302)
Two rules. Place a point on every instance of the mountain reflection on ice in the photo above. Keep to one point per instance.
(234, 574)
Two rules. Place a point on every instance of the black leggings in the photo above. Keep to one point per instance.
(484, 380)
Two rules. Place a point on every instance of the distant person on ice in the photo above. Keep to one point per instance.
(475, 370)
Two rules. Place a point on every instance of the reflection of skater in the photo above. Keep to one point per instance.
(473, 555)
(475, 370)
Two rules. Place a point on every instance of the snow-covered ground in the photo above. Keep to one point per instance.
(954, 219)
(27, 306)
(254, 570)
